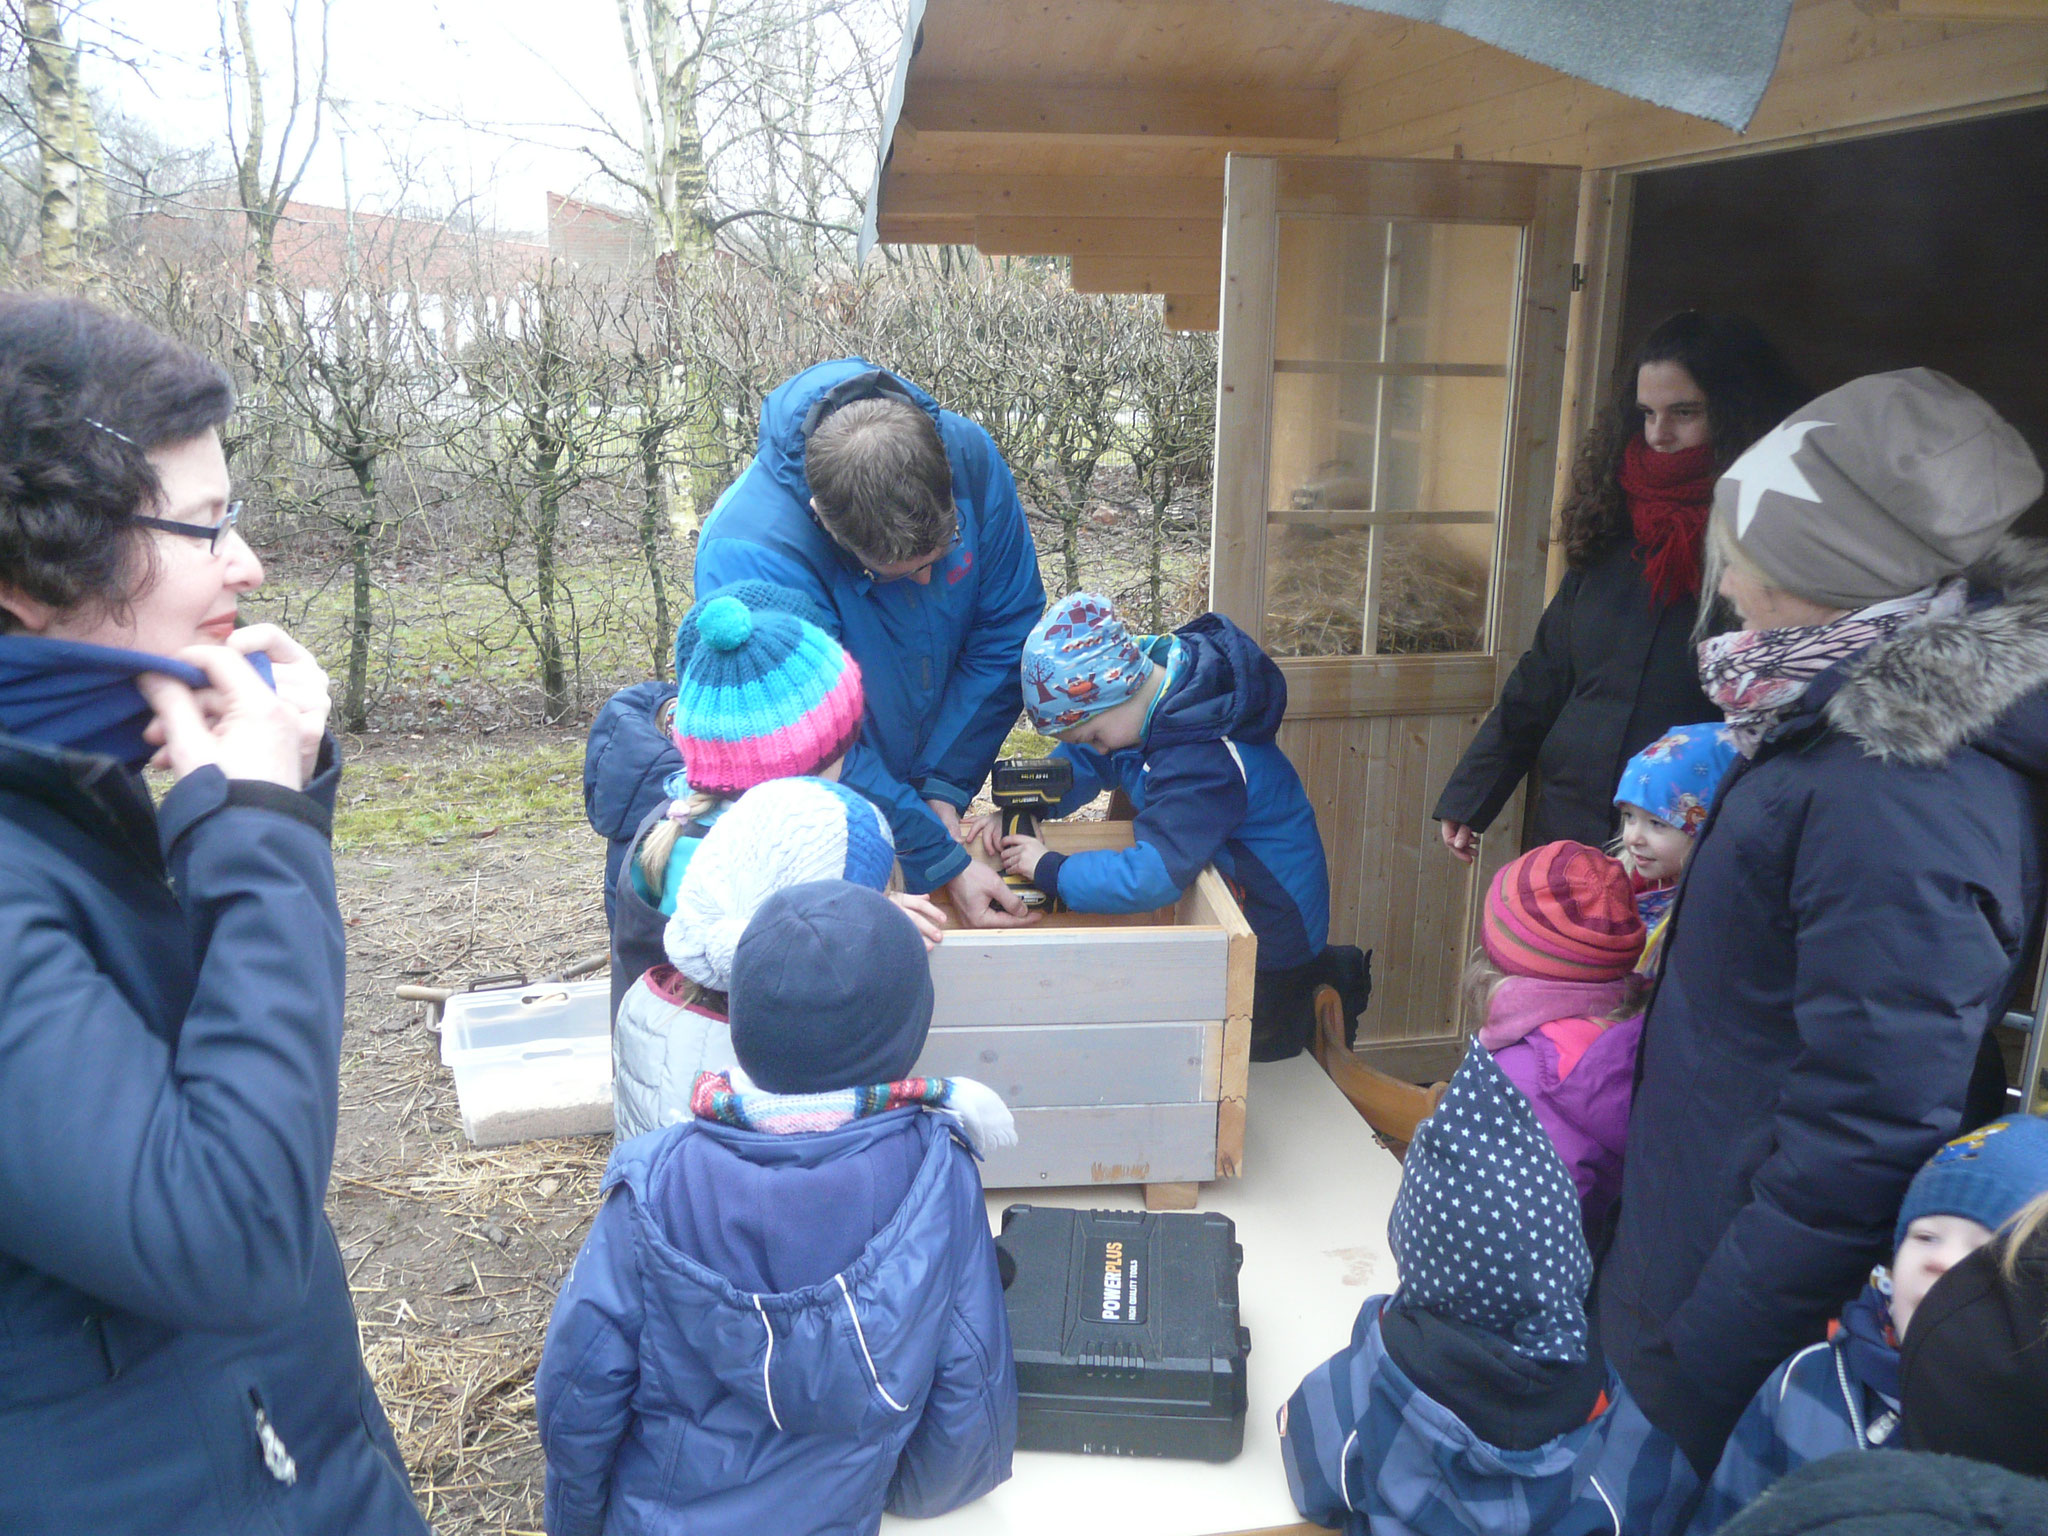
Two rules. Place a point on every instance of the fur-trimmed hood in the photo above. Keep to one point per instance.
(1979, 678)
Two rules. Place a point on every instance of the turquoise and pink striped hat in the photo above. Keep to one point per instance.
(766, 695)
(1564, 912)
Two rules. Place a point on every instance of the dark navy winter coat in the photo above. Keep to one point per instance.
(625, 762)
(938, 661)
(1208, 783)
(1851, 922)
(779, 1334)
(170, 1039)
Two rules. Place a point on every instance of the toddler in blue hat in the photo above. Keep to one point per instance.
(1843, 1394)
(1666, 792)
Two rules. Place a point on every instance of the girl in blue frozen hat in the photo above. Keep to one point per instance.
(1666, 791)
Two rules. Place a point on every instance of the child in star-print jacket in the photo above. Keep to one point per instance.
(1476, 1398)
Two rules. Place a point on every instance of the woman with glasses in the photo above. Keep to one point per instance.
(178, 1350)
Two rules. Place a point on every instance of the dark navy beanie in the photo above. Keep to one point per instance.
(830, 989)
(1486, 1228)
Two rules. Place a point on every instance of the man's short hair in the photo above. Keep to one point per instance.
(883, 483)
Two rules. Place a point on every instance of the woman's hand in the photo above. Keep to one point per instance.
(1460, 839)
(929, 916)
(235, 723)
(1021, 855)
(983, 832)
(300, 683)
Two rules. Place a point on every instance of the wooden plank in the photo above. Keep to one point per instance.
(1244, 400)
(1012, 235)
(1193, 311)
(1229, 1152)
(1144, 274)
(1346, 687)
(1212, 1063)
(1106, 1144)
(1474, 192)
(1963, 10)
(1145, 112)
(1172, 1197)
(1175, 198)
(1413, 1061)
(913, 229)
(1081, 836)
(1079, 976)
(1033, 1065)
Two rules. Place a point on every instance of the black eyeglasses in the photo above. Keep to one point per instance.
(213, 533)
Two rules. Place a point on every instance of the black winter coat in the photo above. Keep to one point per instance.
(1851, 921)
(170, 1043)
(1606, 675)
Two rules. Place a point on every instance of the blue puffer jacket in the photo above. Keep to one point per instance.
(1368, 1451)
(938, 661)
(779, 1334)
(624, 764)
(1839, 1396)
(1851, 921)
(178, 1350)
(1208, 784)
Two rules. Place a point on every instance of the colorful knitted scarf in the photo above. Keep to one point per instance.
(977, 1107)
(1755, 676)
(1669, 496)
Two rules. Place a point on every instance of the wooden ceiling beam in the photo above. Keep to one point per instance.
(1194, 311)
(923, 229)
(1235, 116)
(1009, 235)
(1147, 274)
(971, 195)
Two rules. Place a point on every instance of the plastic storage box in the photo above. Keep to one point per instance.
(531, 1061)
(1125, 1332)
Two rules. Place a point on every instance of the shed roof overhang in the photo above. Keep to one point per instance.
(1097, 129)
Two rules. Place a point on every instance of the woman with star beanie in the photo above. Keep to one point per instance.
(1611, 667)
(1857, 905)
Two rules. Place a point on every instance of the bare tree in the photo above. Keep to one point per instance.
(1169, 435)
(72, 201)
(267, 173)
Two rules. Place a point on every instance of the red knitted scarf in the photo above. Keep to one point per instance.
(1669, 496)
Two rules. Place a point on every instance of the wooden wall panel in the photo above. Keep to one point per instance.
(1034, 1065)
(1092, 1144)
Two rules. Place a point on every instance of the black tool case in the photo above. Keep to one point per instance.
(1124, 1326)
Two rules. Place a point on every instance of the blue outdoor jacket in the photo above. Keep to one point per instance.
(625, 762)
(779, 1334)
(1367, 1451)
(170, 1040)
(938, 662)
(1208, 784)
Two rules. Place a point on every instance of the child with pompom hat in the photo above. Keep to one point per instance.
(1563, 1005)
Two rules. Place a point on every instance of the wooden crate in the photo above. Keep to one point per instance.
(1119, 1042)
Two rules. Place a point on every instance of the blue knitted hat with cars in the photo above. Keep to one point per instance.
(1486, 1227)
(1985, 1176)
(759, 597)
(1079, 661)
(1675, 777)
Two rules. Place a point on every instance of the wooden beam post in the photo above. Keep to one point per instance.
(1146, 274)
(1146, 114)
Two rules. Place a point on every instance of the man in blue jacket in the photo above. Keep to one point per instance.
(901, 520)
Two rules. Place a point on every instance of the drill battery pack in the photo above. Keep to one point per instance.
(1124, 1327)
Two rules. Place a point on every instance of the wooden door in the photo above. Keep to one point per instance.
(1392, 361)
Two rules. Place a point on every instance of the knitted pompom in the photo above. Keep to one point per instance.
(726, 624)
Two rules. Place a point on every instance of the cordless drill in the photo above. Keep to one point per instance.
(1025, 788)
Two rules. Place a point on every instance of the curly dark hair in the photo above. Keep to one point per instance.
(84, 395)
(1749, 387)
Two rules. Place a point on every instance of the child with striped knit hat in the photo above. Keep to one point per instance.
(1563, 1004)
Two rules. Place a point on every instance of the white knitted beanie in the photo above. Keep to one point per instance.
(782, 833)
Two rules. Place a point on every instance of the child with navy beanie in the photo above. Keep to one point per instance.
(1476, 1398)
(1843, 1394)
(1184, 725)
(787, 1317)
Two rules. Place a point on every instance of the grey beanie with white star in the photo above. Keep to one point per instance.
(1486, 1227)
(1877, 489)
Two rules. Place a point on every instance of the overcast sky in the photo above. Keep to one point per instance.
(411, 71)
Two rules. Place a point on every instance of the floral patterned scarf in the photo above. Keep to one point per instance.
(1755, 676)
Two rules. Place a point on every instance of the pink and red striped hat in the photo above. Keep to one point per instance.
(1564, 912)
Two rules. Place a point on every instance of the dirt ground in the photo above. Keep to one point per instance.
(454, 1255)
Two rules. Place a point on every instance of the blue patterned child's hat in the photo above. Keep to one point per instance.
(1675, 777)
(1079, 661)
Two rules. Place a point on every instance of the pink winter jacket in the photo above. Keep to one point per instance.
(1578, 1071)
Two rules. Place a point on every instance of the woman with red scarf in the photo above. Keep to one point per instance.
(1612, 665)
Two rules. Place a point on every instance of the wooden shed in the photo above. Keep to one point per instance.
(1425, 254)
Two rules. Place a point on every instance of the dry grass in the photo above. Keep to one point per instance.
(1429, 601)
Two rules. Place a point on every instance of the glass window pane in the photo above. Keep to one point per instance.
(1392, 345)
